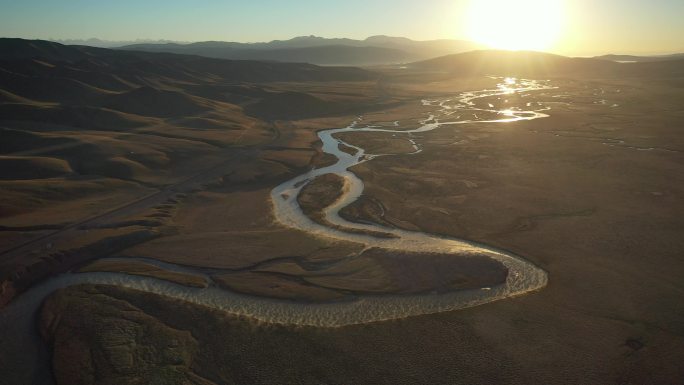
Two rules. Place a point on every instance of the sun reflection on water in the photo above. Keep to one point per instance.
(508, 86)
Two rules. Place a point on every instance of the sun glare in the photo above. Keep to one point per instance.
(516, 24)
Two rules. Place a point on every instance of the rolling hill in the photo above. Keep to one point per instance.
(539, 65)
(94, 86)
(74, 112)
(35, 56)
(638, 59)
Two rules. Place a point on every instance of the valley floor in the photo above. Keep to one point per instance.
(592, 195)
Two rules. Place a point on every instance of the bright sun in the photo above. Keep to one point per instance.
(516, 24)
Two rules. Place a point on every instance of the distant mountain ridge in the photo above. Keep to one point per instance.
(379, 49)
(375, 50)
(100, 43)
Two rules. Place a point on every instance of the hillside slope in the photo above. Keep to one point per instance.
(85, 129)
(539, 65)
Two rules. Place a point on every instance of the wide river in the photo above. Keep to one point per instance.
(22, 351)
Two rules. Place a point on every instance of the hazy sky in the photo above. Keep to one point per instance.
(590, 27)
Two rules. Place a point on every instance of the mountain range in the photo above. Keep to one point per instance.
(375, 50)
(372, 51)
(100, 43)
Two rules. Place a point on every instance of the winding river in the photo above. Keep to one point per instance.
(21, 347)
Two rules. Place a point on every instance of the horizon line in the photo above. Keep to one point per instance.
(66, 41)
